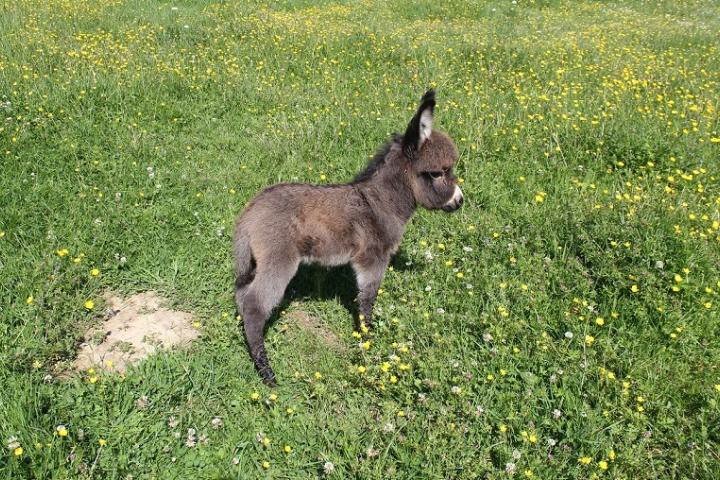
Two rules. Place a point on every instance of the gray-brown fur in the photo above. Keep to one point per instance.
(360, 223)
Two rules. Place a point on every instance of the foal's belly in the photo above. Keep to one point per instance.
(333, 260)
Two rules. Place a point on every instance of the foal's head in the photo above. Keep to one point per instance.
(431, 155)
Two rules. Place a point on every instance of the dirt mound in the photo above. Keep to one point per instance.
(134, 328)
(315, 328)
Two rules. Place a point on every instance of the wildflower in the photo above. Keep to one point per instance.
(589, 340)
(529, 473)
(13, 443)
(62, 252)
(18, 451)
(255, 396)
(328, 468)
(603, 465)
(273, 397)
(600, 321)
(503, 428)
(265, 464)
(361, 369)
(29, 300)
(191, 439)
(510, 468)
(287, 449)
(142, 402)
(102, 442)
(89, 304)
(61, 430)
(585, 460)
(634, 289)
(611, 455)
(216, 422)
(318, 375)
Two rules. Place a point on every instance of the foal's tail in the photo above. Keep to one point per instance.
(244, 266)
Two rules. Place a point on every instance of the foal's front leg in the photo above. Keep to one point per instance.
(369, 275)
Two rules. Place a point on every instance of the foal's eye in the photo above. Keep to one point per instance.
(436, 175)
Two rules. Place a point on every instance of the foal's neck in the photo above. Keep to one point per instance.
(390, 195)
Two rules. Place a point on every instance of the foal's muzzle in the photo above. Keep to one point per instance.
(455, 202)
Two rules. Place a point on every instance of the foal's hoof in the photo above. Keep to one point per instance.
(268, 378)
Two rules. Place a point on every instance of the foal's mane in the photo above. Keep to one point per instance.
(378, 160)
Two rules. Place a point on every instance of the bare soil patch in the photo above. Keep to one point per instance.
(134, 328)
(315, 328)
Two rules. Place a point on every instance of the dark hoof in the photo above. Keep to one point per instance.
(268, 378)
(270, 382)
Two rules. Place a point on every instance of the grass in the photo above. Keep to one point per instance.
(562, 324)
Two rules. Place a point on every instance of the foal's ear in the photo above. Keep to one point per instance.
(420, 127)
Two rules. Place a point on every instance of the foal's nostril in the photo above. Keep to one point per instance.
(460, 201)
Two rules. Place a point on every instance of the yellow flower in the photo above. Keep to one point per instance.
(318, 375)
(273, 397)
(95, 272)
(89, 304)
(611, 455)
(585, 460)
(717, 387)
(62, 252)
(102, 442)
(589, 340)
(365, 345)
(361, 369)
(503, 428)
(600, 321)
(290, 410)
(255, 396)
(634, 289)
(266, 441)
(287, 449)
(603, 465)
(533, 438)
(540, 197)
(529, 473)
(29, 300)
(61, 430)
(265, 464)
(18, 451)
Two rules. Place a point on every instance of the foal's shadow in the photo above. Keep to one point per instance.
(328, 283)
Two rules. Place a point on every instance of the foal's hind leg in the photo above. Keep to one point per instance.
(263, 294)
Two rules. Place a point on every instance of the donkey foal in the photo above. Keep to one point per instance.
(361, 223)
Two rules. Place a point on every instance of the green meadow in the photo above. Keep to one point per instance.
(562, 324)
